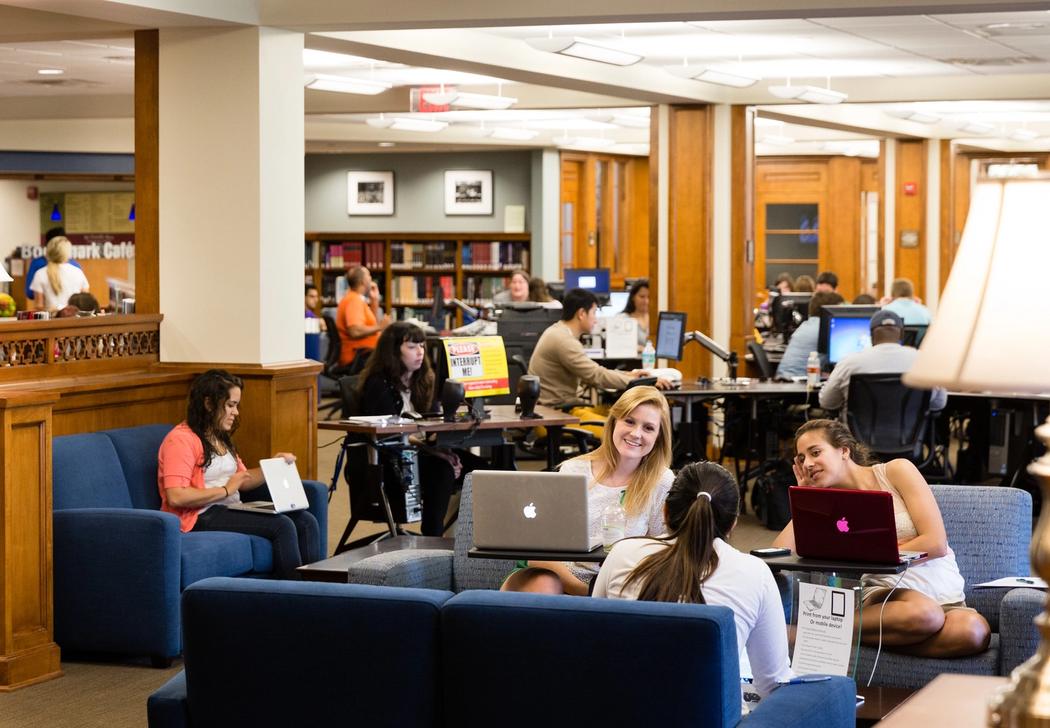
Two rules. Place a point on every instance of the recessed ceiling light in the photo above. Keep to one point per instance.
(582, 141)
(512, 133)
(585, 49)
(972, 127)
(777, 140)
(631, 121)
(921, 117)
(1024, 135)
(407, 124)
(469, 100)
(50, 71)
(712, 74)
(809, 94)
(386, 144)
(344, 85)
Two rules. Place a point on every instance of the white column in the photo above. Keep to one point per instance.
(933, 224)
(889, 219)
(721, 230)
(231, 195)
(545, 215)
(662, 119)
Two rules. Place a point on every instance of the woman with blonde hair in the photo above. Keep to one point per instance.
(55, 283)
(630, 466)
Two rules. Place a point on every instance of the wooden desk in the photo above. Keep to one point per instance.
(950, 701)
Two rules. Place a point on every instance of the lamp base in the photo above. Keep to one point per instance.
(1025, 702)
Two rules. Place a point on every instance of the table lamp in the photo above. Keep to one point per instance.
(989, 336)
(452, 393)
(528, 393)
(5, 277)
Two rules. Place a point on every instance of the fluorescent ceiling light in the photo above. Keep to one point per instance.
(513, 133)
(585, 49)
(777, 140)
(630, 121)
(50, 71)
(973, 127)
(712, 74)
(407, 124)
(810, 94)
(581, 141)
(468, 100)
(348, 85)
(920, 117)
(1024, 135)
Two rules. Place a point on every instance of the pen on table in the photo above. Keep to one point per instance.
(804, 679)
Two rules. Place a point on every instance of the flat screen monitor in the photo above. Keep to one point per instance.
(788, 310)
(670, 335)
(595, 280)
(913, 334)
(521, 328)
(844, 329)
(617, 301)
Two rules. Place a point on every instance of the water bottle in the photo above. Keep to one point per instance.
(813, 369)
(648, 356)
(614, 524)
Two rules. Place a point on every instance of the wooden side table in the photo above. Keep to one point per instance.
(949, 701)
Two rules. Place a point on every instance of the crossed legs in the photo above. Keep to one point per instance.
(914, 624)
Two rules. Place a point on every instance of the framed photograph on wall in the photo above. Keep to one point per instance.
(468, 192)
(369, 193)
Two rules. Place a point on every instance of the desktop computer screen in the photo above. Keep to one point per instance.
(595, 280)
(913, 334)
(783, 309)
(670, 335)
(844, 329)
(617, 300)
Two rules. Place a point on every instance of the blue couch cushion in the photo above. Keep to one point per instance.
(137, 449)
(214, 553)
(262, 554)
(621, 655)
(86, 473)
(342, 653)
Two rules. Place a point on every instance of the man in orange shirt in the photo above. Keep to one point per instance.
(358, 321)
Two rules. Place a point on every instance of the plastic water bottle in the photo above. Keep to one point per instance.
(614, 524)
(813, 369)
(648, 356)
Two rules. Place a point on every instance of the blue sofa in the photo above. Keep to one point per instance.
(314, 654)
(120, 563)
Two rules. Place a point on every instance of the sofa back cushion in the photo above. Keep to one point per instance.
(303, 654)
(606, 662)
(86, 473)
(468, 573)
(137, 449)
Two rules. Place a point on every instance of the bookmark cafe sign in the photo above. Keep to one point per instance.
(93, 246)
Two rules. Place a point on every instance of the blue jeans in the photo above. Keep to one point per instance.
(294, 536)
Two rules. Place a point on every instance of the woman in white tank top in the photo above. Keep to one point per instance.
(925, 614)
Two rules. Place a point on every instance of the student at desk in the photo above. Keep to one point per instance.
(804, 340)
(398, 379)
(922, 611)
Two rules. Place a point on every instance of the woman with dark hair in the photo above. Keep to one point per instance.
(694, 563)
(398, 380)
(199, 474)
(923, 611)
(638, 308)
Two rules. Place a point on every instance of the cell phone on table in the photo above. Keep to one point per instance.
(770, 551)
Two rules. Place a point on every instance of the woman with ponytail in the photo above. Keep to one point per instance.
(694, 563)
(60, 279)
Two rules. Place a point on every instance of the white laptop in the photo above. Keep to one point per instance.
(285, 486)
(531, 511)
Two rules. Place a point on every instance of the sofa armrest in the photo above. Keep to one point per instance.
(829, 704)
(167, 706)
(316, 495)
(425, 568)
(116, 580)
(1018, 635)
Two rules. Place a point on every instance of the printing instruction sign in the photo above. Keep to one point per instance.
(480, 363)
(825, 630)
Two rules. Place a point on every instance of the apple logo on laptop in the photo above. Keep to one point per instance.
(529, 511)
(842, 525)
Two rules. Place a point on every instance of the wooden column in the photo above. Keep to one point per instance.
(742, 285)
(147, 172)
(910, 193)
(28, 653)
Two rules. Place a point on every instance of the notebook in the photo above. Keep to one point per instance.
(841, 524)
(531, 511)
(285, 486)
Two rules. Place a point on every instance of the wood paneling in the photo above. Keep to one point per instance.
(147, 171)
(742, 232)
(841, 225)
(28, 653)
(910, 261)
(689, 237)
(637, 223)
(947, 211)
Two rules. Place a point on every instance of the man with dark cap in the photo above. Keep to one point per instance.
(885, 356)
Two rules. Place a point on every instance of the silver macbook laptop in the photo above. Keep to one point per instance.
(531, 511)
(285, 486)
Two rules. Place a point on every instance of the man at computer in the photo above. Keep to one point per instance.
(804, 340)
(903, 303)
(560, 361)
(885, 356)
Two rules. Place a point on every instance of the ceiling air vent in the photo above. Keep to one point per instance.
(1007, 61)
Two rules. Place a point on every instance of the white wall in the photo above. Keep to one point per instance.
(20, 216)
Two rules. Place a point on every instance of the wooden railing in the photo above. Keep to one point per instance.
(71, 346)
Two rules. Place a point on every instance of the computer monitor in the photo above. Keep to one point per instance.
(617, 301)
(670, 335)
(521, 327)
(595, 280)
(913, 334)
(788, 310)
(844, 329)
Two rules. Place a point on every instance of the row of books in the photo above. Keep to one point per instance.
(496, 255)
(480, 289)
(421, 289)
(340, 256)
(423, 255)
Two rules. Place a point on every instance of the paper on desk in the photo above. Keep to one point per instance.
(378, 420)
(1009, 582)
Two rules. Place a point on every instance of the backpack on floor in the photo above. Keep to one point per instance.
(769, 498)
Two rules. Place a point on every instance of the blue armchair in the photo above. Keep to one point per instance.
(119, 562)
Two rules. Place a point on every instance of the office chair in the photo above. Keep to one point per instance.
(893, 420)
(765, 368)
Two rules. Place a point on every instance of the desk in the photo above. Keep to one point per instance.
(502, 418)
(949, 701)
(336, 568)
(849, 569)
(596, 556)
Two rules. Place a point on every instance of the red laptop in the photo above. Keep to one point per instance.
(840, 524)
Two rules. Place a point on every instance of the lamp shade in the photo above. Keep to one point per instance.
(5, 277)
(989, 334)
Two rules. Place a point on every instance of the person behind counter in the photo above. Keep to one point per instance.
(59, 279)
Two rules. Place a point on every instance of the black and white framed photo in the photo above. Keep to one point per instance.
(468, 192)
(370, 193)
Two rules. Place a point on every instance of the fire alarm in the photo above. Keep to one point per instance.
(911, 188)
(32, 192)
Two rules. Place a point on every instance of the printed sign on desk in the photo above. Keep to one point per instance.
(825, 630)
(480, 363)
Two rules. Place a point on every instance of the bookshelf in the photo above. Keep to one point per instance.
(410, 267)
